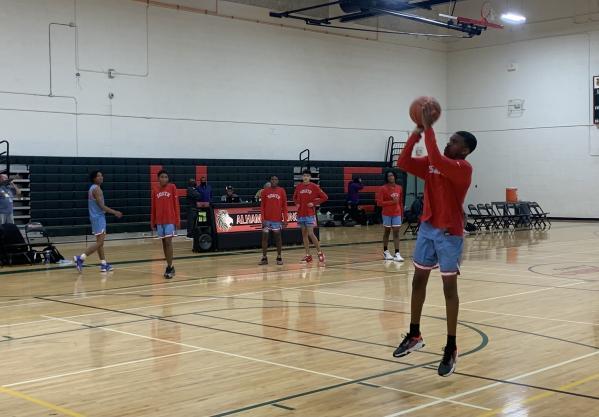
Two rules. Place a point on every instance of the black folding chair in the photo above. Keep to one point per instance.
(13, 248)
(476, 217)
(514, 213)
(539, 216)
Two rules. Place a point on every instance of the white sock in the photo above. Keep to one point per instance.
(103, 262)
(83, 256)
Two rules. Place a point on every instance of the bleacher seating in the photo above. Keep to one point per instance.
(59, 186)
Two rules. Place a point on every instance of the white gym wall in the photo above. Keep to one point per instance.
(210, 87)
(550, 151)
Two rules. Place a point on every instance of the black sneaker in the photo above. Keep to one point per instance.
(408, 345)
(263, 261)
(449, 361)
(279, 261)
(170, 272)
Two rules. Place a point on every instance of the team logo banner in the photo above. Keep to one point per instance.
(246, 219)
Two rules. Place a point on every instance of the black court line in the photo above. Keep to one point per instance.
(503, 381)
(481, 346)
(209, 277)
(461, 278)
(284, 407)
(366, 384)
(198, 257)
(235, 332)
(530, 333)
(302, 331)
(361, 380)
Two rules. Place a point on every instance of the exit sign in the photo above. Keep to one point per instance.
(596, 100)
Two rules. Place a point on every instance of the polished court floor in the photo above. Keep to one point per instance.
(227, 337)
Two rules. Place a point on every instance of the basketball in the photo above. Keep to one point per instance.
(416, 109)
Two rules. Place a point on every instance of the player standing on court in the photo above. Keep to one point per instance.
(273, 208)
(307, 196)
(165, 217)
(390, 198)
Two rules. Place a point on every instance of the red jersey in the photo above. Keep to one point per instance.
(446, 183)
(385, 198)
(308, 193)
(274, 204)
(165, 205)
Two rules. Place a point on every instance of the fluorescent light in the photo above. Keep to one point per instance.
(513, 18)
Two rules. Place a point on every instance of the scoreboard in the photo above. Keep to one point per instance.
(596, 100)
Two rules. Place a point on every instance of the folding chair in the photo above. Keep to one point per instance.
(476, 217)
(13, 248)
(539, 216)
(514, 213)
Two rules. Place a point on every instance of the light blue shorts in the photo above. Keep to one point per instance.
(391, 221)
(272, 226)
(436, 249)
(166, 230)
(98, 225)
(306, 221)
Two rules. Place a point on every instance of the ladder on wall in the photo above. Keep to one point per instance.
(20, 177)
(304, 159)
(394, 148)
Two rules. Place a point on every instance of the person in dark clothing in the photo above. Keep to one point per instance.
(353, 198)
(205, 191)
(193, 197)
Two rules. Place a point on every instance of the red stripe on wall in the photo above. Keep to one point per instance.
(350, 172)
(201, 171)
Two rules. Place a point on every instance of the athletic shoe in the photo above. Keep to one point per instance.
(170, 272)
(279, 261)
(106, 268)
(387, 255)
(263, 261)
(449, 361)
(321, 258)
(397, 257)
(307, 259)
(408, 345)
(78, 263)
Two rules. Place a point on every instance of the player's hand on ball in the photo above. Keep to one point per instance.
(428, 116)
(417, 131)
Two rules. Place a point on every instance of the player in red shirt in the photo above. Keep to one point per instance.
(440, 238)
(307, 196)
(165, 217)
(390, 198)
(273, 207)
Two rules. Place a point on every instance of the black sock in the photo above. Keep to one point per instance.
(451, 342)
(396, 250)
(385, 248)
(414, 329)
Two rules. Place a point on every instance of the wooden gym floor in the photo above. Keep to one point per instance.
(227, 337)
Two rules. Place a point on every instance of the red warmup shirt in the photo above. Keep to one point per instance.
(446, 183)
(308, 193)
(385, 199)
(274, 204)
(165, 205)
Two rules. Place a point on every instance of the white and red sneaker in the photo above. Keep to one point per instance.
(307, 259)
(408, 345)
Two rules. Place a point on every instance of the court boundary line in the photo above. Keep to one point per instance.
(263, 361)
(486, 387)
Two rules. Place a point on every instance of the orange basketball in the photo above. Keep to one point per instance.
(416, 109)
